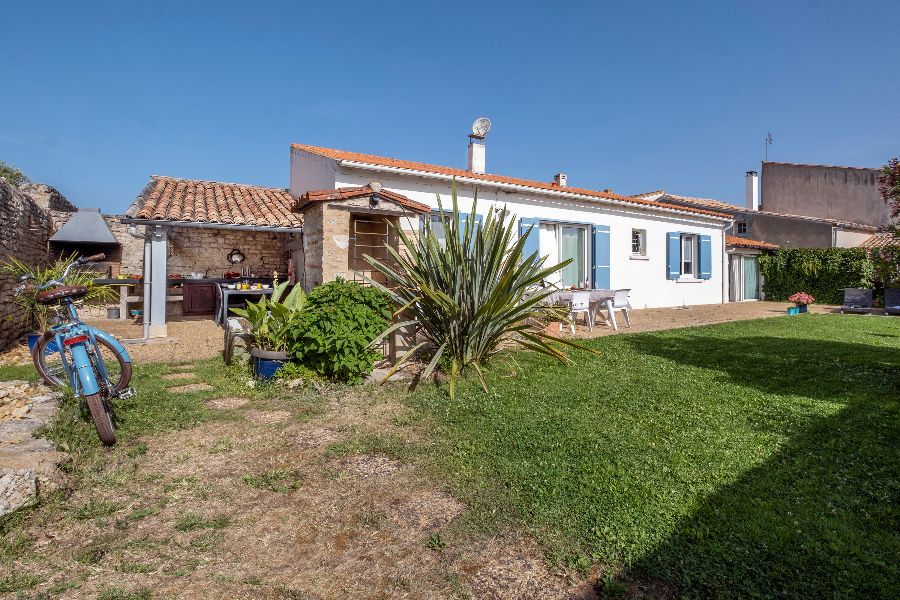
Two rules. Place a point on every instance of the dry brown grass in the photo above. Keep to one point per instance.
(279, 504)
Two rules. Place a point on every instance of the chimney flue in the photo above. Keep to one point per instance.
(751, 182)
(561, 180)
(476, 154)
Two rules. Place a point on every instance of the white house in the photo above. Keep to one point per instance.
(667, 255)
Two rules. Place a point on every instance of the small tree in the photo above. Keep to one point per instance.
(13, 175)
(889, 186)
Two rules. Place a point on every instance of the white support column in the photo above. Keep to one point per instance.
(159, 245)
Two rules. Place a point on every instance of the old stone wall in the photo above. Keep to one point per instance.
(48, 197)
(206, 250)
(24, 231)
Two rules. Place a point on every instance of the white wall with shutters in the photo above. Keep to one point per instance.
(645, 276)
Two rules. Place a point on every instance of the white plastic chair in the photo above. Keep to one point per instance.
(581, 305)
(619, 302)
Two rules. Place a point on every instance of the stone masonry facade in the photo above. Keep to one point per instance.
(201, 249)
(24, 231)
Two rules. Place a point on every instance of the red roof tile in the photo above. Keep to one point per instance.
(882, 239)
(188, 200)
(346, 193)
(739, 242)
(383, 161)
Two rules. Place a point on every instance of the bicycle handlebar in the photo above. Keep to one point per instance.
(61, 281)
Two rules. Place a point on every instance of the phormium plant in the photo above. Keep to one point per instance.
(471, 293)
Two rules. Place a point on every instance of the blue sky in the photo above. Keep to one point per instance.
(630, 96)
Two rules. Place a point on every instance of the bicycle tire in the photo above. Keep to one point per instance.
(38, 356)
(100, 415)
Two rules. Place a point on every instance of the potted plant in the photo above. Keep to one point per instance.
(801, 301)
(42, 314)
(271, 320)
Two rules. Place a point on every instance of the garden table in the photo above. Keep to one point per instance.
(225, 293)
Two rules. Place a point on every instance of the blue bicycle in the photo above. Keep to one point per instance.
(90, 361)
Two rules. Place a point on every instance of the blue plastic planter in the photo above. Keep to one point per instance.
(267, 362)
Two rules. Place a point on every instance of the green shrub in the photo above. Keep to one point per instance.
(336, 328)
(822, 272)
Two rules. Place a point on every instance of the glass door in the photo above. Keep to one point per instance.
(572, 246)
(751, 278)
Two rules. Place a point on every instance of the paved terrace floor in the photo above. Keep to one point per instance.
(193, 339)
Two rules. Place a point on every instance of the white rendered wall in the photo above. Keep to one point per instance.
(310, 172)
(646, 278)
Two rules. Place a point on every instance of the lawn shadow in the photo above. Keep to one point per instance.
(819, 518)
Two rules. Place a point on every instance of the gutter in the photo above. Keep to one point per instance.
(525, 188)
(164, 223)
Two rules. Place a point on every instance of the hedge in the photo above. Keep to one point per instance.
(822, 272)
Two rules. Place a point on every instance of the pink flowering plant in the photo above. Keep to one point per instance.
(801, 298)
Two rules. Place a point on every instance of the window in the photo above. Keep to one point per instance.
(638, 242)
(561, 242)
(437, 226)
(689, 256)
(741, 227)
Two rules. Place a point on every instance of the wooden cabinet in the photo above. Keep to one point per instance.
(199, 298)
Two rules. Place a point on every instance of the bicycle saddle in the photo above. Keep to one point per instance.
(72, 292)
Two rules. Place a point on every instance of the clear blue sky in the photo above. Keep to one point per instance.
(675, 95)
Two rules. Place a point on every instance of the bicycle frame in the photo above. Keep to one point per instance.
(77, 337)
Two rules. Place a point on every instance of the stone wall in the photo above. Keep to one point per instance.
(206, 250)
(24, 231)
(47, 197)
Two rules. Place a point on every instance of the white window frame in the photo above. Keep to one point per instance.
(694, 241)
(557, 225)
(642, 252)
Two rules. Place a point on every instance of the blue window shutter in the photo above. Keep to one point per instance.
(463, 219)
(600, 255)
(532, 245)
(673, 255)
(705, 249)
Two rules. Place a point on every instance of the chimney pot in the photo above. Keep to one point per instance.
(476, 155)
(560, 179)
(751, 186)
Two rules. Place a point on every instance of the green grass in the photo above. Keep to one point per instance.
(750, 459)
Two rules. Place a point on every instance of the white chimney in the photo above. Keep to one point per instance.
(476, 154)
(751, 182)
(560, 179)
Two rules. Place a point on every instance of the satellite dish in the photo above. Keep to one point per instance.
(481, 127)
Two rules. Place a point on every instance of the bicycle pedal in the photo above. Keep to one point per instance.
(127, 393)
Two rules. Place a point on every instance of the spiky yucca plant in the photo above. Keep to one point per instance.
(474, 294)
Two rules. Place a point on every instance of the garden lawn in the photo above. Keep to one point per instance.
(751, 459)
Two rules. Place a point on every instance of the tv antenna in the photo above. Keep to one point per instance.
(768, 142)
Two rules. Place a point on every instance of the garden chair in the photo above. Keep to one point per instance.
(580, 305)
(892, 301)
(236, 329)
(619, 302)
(857, 301)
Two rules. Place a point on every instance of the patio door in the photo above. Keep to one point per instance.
(751, 278)
(560, 242)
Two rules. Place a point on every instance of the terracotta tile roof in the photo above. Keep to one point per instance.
(739, 242)
(662, 196)
(346, 193)
(383, 161)
(882, 239)
(188, 200)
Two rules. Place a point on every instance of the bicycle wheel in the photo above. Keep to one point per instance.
(49, 363)
(101, 414)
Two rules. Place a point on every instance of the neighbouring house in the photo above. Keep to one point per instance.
(782, 229)
(847, 194)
